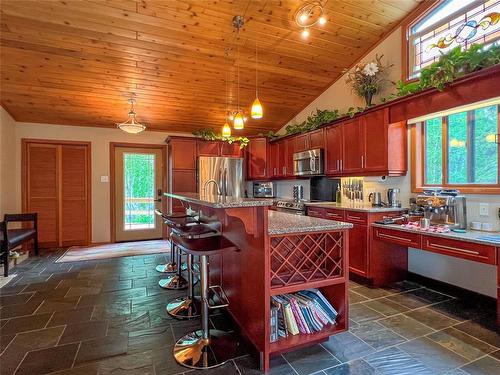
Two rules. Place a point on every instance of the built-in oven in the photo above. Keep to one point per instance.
(308, 163)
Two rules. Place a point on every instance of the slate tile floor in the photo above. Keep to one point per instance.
(107, 317)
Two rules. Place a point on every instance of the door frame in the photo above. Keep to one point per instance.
(112, 180)
(88, 162)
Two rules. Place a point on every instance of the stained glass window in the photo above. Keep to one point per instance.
(453, 23)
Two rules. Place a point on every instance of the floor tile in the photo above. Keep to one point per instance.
(357, 367)
(25, 323)
(310, 359)
(82, 291)
(405, 326)
(459, 309)
(377, 336)
(360, 313)
(355, 297)
(71, 316)
(385, 306)
(347, 347)
(433, 355)
(484, 366)
(393, 361)
(103, 347)
(58, 304)
(479, 331)
(150, 338)
(48, 360)
(15, 299)
(432, 318)
(83, 331)
(12, 311)
(370, 293)
(278, 366)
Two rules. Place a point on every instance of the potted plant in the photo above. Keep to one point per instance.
(367, 79)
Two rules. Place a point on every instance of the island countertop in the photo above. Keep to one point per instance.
(216, 201)
(354, 207)
(284, 223)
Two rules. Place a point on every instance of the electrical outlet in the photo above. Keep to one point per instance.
(484, 209)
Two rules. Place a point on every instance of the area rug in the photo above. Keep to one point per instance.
(114, 250)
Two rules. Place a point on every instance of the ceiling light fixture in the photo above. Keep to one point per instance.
(310, 14)
(226, 129)
(131, 125)
(238, 115)
(256, 112)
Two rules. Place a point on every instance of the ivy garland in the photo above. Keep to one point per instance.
(209, 134)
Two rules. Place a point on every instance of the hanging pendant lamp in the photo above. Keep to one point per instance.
(256, 112)
(238, 115)
(131, 125)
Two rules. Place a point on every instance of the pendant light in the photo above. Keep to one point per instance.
(131, 125)
(256, 111)
(226, 129)
(238, 116)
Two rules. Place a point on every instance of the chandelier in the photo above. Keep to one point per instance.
(310, 14)
(131, 125)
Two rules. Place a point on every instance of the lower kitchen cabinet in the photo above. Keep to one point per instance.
(358, 250)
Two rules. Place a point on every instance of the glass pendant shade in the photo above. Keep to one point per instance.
(257, 111)
(226, 130)
(239, 122)
(131, 126)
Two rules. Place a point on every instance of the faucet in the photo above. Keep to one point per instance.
(219, 192)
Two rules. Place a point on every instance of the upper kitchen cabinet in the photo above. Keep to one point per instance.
(218, 148)
(367, 145)
(182, 152)
(232, 150)
(309, 141)
(257, 154)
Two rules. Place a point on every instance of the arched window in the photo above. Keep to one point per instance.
(448, 24)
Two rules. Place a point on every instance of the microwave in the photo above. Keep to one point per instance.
(263, 190)
(308, 163)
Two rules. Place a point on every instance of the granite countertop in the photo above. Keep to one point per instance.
(469, 235)
(285, 223)
(354, 207)
(216, 201)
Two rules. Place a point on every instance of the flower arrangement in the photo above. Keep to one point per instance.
(367, 79)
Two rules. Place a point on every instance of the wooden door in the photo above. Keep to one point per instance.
(333, 150)
(317, 139)
(138, 191)
(273, 159)
(290, 149)
(257, 158)
(74, 194)
(208, 148)
(282, 154)
(358, 249)
(352, 145)
(302, 142)
(375, 135)
(56, 185)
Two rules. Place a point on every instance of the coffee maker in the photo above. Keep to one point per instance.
(393, 197)
(442, 208)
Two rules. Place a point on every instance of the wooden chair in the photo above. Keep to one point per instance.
(11, 238)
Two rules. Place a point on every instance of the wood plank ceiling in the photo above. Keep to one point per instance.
(76, 62)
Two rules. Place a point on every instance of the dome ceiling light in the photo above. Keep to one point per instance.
(131, 125)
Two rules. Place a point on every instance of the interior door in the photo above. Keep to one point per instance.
(138, 191)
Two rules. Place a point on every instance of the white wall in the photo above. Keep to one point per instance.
(100, 139)
(7, 151)
(470, 275)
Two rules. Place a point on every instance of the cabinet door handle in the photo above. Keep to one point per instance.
(274, 171)
(354, 217)
(332, 215)
(341, 164)
(382, 235)
(452, 248)
(283, 170)
(338, 165)
(362, 161)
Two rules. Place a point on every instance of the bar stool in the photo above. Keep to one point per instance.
(171, 267)
(189, 307)
(176, 281)
(206, 348)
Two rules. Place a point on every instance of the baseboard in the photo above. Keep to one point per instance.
(451, 289)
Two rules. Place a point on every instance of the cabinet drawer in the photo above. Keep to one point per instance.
(397, 236)
(356, 217)
(316, 212)
(333, 214)
(460, 249)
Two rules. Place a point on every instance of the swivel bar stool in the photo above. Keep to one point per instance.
(206, 348)
(188, 307)
(176, 281)
(171, 266)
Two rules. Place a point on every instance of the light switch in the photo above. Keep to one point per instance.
(104, 179)
(484, 209)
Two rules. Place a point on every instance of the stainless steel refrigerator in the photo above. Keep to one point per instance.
(225, 175)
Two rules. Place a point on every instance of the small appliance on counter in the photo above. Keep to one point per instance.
(308, 163)
(444, 209)
(324, 189)
(263, 190)
(393, 197)
(375, 199)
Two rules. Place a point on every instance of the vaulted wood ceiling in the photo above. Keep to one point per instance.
(76, 62)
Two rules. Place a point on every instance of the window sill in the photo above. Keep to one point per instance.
(479, 189)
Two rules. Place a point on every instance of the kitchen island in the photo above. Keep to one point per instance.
(279, 253)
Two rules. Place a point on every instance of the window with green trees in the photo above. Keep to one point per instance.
(462, 148)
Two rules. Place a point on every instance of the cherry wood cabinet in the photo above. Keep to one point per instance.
(375, 148)
(290, 150)
(333, 152)
(273, 160)
(257, 158)
(232, 150)
(317, 139)
(208, 148)
(352, 146)
(460, 249)
(358, 249)
(302, 142)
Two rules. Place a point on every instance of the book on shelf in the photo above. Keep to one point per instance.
(304, 312)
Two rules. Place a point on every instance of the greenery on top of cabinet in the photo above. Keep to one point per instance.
(209, 134)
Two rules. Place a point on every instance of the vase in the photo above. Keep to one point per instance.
(368, 98)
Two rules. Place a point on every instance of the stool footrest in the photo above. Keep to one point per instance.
(218, 297)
